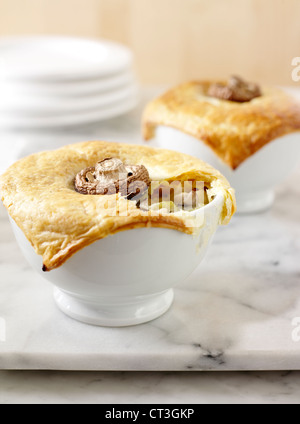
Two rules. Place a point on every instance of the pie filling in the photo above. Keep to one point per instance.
(177, 196)
(111, 176)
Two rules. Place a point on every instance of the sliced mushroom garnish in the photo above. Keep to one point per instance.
(111, 176)
(236, 90)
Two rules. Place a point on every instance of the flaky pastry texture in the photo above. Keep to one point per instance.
(234, 131)
(39, 194)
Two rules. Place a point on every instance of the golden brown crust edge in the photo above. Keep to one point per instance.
(39, 194)
(234, 131)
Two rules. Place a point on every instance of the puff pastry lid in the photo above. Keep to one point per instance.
(234, 131)
(39, 194)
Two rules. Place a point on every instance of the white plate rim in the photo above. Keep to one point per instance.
(66, 105)
(124, 61)
(73, 120)
(68, 89)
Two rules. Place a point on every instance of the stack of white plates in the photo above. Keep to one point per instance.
(58, 81)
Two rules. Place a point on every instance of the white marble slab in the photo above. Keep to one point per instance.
(234, 313)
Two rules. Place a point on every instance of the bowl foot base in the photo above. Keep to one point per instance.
(255, 203)
(114, 312)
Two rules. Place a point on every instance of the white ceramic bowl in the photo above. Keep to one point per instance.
(127, 278)
(255, 180)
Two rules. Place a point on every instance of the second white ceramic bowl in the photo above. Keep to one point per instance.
(127, 278)
(255, 179)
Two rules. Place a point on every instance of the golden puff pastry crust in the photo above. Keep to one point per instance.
(234, 131)
(40, 196)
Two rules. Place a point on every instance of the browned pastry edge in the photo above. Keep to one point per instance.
(234, 131)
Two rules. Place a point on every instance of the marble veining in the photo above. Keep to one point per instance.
(136, 388)
(235, 312)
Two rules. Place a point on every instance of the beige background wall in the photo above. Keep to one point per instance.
(176, 40)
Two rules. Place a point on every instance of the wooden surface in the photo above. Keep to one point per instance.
(175, 40)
